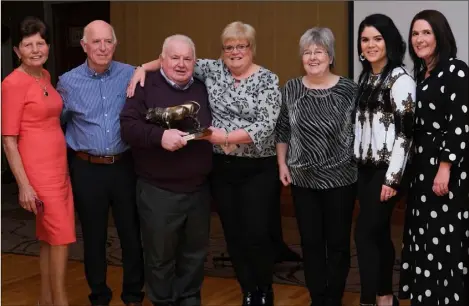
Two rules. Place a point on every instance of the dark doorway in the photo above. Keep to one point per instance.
(69, 20)
(13, 12)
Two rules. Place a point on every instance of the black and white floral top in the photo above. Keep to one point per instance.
(254, 105)
(384, 124)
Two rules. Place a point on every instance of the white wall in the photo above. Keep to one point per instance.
(402, 12)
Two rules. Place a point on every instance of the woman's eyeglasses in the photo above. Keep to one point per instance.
(319, 53)
(240, 48)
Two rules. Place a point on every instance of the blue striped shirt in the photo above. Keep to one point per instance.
(92, 105)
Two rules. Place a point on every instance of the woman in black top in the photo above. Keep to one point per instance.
(383, 132)
(315, 155)
(435, 253)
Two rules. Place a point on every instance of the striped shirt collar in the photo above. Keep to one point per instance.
(90, 72)
(173, 84)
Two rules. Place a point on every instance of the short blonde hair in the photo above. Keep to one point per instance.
(237, 31)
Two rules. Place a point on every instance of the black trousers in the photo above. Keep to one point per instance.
(324, 220)
(375, 249)
(175, 234)
(96, 188)
(276, 231)
(244, 191)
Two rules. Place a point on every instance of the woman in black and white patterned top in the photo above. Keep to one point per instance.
(435, 254)
(315, 155)
(383, 138)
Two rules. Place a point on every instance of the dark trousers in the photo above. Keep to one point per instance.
(324, 221)
(175, 234)
(96, 187)
(244, 191)
(375, 249)
(276, 232)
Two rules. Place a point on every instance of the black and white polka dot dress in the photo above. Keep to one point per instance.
(435, 254)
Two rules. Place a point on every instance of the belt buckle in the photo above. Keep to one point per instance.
(113, 158)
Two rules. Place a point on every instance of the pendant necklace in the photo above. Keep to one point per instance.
(44, 87)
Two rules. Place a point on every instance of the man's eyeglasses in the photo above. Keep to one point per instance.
(240, 48)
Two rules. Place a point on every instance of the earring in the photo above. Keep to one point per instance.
(362, 57)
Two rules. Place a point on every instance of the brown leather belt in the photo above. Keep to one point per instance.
(107, 160)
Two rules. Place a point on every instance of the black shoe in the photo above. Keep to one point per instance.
(265, 296)
(249, 299)
(191, 300)
(333, 302)
(395, 301)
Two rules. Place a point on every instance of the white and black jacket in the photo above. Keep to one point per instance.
(384, 122)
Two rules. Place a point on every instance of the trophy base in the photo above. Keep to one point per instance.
(197, 134)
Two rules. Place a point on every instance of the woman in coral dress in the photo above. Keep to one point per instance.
(36, 151)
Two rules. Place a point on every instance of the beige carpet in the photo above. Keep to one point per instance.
(18, 237)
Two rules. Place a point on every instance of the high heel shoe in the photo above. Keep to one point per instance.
(395, 301)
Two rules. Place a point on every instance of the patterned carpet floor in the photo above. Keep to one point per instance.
(18, 237)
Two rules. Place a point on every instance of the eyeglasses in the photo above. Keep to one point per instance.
(240, 48)
(317, 53)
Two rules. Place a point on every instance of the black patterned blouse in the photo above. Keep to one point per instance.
(317, 126)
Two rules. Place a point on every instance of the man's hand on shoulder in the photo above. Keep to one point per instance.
(173, 140)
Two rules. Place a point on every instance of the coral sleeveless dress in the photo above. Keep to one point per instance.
(35, 118)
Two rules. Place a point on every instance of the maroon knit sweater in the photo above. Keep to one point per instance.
(184, 170)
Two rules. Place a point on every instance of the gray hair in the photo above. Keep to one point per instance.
(178, 37)
(321, 37)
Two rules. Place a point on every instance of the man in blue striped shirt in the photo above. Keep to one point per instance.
(101, 165)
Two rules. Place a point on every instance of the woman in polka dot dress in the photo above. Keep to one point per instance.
(436, 236)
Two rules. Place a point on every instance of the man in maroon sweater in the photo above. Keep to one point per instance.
(173, 196)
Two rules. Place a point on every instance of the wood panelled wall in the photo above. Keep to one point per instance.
(141, 28)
